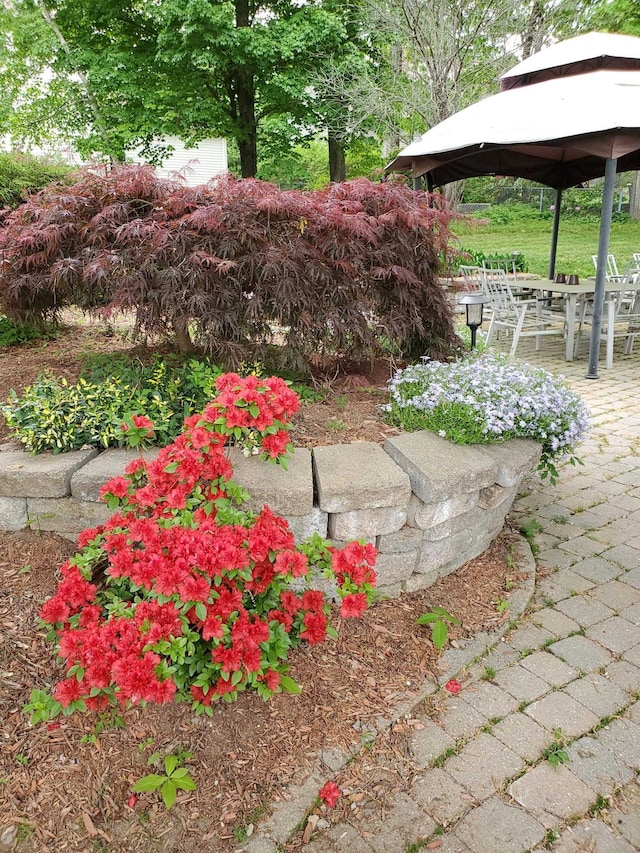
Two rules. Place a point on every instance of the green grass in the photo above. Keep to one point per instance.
(531, 235)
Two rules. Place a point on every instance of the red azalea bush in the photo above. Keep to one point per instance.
(182, 593)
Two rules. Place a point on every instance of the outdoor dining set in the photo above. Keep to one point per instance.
(536, 307)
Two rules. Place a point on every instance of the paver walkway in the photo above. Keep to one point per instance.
(563, 684)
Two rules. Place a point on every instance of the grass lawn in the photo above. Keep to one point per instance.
(577, 241)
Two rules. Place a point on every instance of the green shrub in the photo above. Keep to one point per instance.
(24, 174)
(477, 257)
(12, 334)
(55, 415)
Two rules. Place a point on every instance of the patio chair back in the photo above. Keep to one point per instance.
(612, 273)
(521, 317)
(472, 277)
(620, 317)
(507, 265)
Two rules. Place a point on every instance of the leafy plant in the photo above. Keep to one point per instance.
(476, 257)
(185, 594)
(439, 619)
(12, 334)
(483, 399)
(556, 753)
(175, 778)
(55, 415)
(221, 267)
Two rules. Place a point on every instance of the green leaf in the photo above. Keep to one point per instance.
(170, 764)
(426, 618)
(201, 611)
(168, 792)
(289, 685)
(186, 783)
(439, 634)
(149, 783)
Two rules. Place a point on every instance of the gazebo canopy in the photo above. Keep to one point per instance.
(567, 114)
(578, 55)
(559, 132)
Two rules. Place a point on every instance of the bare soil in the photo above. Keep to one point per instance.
(66, 786)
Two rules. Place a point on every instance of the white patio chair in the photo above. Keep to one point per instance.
(620, 315)
(508, 265)
(612, 273)
(521, 317)
(472, 278)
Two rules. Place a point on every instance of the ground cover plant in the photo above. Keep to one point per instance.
(485, 398)
(523, 229)
(237, 266)
(183, 594)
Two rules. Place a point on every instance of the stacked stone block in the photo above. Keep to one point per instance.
(428, 505)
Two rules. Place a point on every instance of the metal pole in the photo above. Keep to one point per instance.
(417, 182)
(603, 251)
(554, 233)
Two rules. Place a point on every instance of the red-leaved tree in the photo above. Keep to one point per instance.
(237, 266)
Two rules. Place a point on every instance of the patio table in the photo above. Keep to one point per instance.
(570, 292)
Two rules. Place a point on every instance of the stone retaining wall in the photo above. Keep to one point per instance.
(428, 505)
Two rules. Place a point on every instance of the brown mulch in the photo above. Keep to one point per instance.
(67, 786)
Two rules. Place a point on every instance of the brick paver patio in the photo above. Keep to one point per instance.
(565, 681)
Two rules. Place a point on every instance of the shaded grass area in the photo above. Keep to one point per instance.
(577, 241)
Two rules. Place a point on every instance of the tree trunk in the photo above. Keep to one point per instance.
(183, 338)
(337, 162)
(532, 37)
(245, 98)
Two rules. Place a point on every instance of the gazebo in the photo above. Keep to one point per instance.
(567, 114)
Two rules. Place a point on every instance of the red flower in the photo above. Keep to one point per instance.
(272, 679)
(54, 610)
(453, 686)
(330, 794)
(315, 628)
(143, 422)
(353, 605)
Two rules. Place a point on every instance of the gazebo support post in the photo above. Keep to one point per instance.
(417, 182)
(554, 234)
(603, 251)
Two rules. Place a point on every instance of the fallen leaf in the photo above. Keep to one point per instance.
(309, 828)
(88, 823)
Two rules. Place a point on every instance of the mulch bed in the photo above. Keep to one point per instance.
(67, 785)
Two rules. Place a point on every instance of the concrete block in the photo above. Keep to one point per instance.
(13, 513)
(496, 495)
(87, 481)
(552, 794)
(498, 826)
(422, 581)
(47, 475)
(392, 568)
(439, 469)
(366, 522)
(423, 515)
(405, 539)
(304, 526)
(358, 476)
(288, 493)
(66, 516)
(514, 458)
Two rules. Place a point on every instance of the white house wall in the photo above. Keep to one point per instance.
(197, 165)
